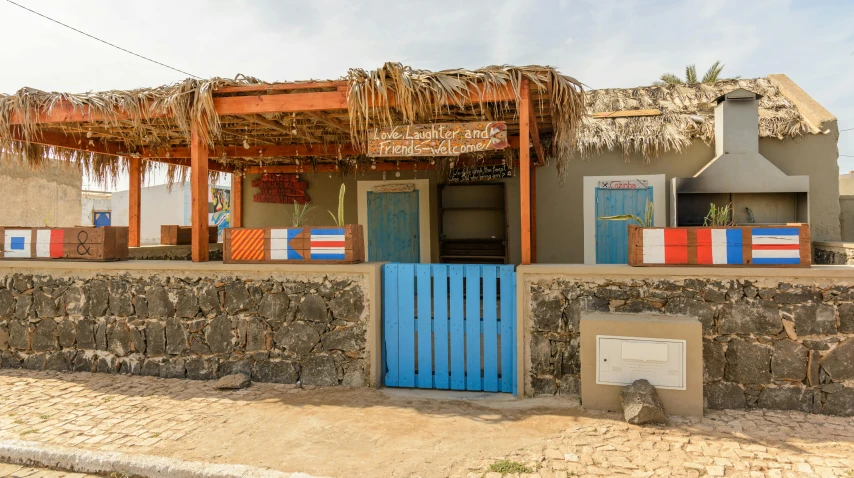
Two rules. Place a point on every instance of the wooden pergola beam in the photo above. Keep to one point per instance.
(323, 118)
(276, 125)
(134, 201)
(236, 200)
(281, 86)
(525, 171)
(199, 197)
(535, 132)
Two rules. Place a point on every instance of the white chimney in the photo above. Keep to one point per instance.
(737, 123)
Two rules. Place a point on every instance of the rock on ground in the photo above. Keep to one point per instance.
(641, 404)
(234, 381)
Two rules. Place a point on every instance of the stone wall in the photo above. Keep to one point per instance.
(276, 327)
(834, 253)
(768, 344)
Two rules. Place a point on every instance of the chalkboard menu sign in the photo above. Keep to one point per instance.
(479, 173)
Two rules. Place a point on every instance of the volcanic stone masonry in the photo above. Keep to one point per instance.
(768, 345)
(311, 330)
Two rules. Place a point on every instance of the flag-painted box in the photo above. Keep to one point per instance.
(307, 244)
(70, 243)
(734, 246)
(183, 235)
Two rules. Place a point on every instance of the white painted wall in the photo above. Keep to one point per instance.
(95, 201)
(159, 206)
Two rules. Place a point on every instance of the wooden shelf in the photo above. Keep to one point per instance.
(482, 241)
(462, 208)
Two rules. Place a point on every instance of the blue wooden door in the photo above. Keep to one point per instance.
(393, 234)
(612, 237)
(449, 326)
(102, 218)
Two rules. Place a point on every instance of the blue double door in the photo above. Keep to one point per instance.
(612, 237)
(449, 326)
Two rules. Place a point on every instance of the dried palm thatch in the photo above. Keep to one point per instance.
(420, 95)
(687, 115)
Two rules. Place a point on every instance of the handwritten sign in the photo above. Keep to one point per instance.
(395, 188)
(448, 139)
(479, 173)
(624, 184)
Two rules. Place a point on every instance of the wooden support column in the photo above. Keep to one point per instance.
(236, 200)
(525, 170)
(533, 213)
(134, 200)
(199, 195)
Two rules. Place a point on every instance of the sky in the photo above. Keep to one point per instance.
(602, 43)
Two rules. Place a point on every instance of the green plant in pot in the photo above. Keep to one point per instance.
(339, 219)
(649, 212)
(719, 216)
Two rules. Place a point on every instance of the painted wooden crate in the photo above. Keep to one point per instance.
(308, 244)
(69, 243)
(736, 246)
(173, 235)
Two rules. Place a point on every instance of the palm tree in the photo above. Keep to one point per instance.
(712, 75)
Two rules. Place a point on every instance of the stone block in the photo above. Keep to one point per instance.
(219, 335)
(57, 362)
(313, 309)
(158, 302)
(208, 298)
(284, 371)
(840, 403)
(570, 385)
(173, 368)
(150, 367)
(101, 334)
(76, 301)
(839, 362)
(759, 317)
(4, 337)
(23, 306)
(789, 361)
(692, 308)
(198, 345)
(19, 335)
(583, 305)
(348, 305)
(547, 311)
(35, 361)
(253, 334)
(274, 308)
(638, 307)
(140, 306)
(237, 298)
(155, 337)
(724, 396)
(107, 363)
(86, 334)
(199, 368)
(319, 370)
(813, 368)
(297, 337)
(347, 339)
(794, 397)
(541, 353)
(543, 385)
(84, 362)
(7, 304)
(45, 305)
(10, 360)
(44, 336)
(66, 331)
(176, 337)
(235, 381)
(137, 336)
(235, 366)
(121, 298)
(118, 338)
(796, 295)
(714, 361)
(814, 319)
(99, 297)
(186, 304)
(846, 318)
(641, 404)
(748, 362)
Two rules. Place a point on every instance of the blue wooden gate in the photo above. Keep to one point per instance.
(449, 326)
(393, 233)
(612, 237)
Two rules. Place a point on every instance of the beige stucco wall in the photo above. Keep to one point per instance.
(560, 219)
(50, 196)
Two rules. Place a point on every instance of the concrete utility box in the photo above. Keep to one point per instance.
(622, 360)
(617, 349)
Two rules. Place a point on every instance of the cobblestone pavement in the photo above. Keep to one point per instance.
(733, 443)
(17, 471)
(340, 432)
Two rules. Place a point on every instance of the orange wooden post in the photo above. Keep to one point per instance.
(525, 170)
(199, 195)
(533, 213)
(134, 200)
(236, 200)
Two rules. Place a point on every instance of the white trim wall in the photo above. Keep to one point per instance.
(658, 183)
(424, 201)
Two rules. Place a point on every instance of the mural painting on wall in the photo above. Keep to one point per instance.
(219, 209)
(280, 189)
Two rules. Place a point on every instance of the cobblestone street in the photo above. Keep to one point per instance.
(363, 432)
(16, 471)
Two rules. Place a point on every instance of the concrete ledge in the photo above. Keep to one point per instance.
(172, 253)
(189, 267)
(147, 466)
(622, 271)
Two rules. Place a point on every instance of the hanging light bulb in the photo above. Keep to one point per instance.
(432, 161)
(373, 165)
(245, 143)
(89, 133)
(397, 174)
(330, 175)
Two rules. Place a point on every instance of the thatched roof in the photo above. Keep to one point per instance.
(687, 114)
(160, 119)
